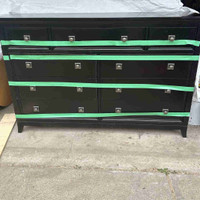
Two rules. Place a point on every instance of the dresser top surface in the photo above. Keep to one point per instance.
(95, 15)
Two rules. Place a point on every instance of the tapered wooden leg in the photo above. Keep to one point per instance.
(20, 127)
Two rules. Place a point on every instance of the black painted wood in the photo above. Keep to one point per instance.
(99, 27)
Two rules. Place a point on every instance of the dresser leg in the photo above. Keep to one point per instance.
(184, 132)
(20, 127)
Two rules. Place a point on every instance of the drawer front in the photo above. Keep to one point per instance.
(71, 93)
(54, 70)
(58, 99)
(58, 106)
(146, 69)
(163, 33)
(141, 100)
(98, 33)
(32, 33)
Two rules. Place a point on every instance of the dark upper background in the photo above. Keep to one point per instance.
(195, 4)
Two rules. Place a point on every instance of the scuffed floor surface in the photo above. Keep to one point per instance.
(100, 164)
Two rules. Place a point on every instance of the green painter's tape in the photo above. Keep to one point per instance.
(96, 115)
(103, 85)
(6, 58)
(102, 43)
(104, 57)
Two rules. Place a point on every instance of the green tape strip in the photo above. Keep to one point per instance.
(103, 85)
(105, 57)
(96, 115)
(6, 58)
(102, 43)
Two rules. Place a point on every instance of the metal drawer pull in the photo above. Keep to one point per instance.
(168, 91)
(118, 110)
(118, 90)
(118, 66)
(170, 66)
(71, 38)
(36, 109)
(124, 38)
(77, 65)
(32, 88)
(165, 111)
(28, 65)
(171, 38)
(81, 109)
(79, 89)
(27, 37)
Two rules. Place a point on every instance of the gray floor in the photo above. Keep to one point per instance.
(4, 110)
(97, 164)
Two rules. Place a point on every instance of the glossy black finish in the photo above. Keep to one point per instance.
(57, 99)
(161, 33)
(65, 70)
(141, 100)
(146, 69)
(101, 27)
(17, 33)
(98, 33)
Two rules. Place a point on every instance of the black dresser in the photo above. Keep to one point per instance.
(102, 70)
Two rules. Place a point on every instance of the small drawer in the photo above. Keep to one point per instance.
(58, 99)
(54, 70)
(78, 34)
(26, 33)
(141, 100)
(172, 33)
(146, 69)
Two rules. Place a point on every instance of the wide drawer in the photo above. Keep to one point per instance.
(165, 33)
(98, 33)
(54, 70)
(141, 100)
(146, 69)
(57, 99)
(58, 106)
(26, 33)
(70, 93)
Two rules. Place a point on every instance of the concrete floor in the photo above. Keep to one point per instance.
(100, 164)
(4, 110)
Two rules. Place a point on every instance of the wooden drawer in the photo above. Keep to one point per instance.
(98, 33)
(57, 99)
(142, 100)
(54, 70)
(58, 106)
(21, 33)
(146, 69)
(57, 92)
(163, 33)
